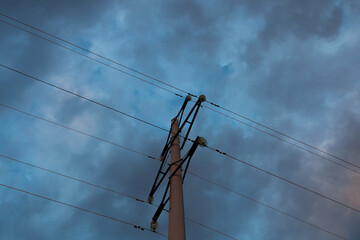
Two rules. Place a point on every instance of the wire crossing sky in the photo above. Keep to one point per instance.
(110, 190)
(213, 149)
(151, 157)
(183, 91)
(289, 68)
(82, 209)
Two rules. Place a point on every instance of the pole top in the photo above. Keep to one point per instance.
(202, 98)
(202, 142)
(150, 199)
(188, 98)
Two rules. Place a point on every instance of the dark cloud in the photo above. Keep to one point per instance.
(303, 20)
(27, 53)
(80, 13)
(291, 64)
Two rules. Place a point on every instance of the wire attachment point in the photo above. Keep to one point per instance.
(202, 142)
(202, 98)
(153, 226)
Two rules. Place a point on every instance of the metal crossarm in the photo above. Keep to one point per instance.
(168, 144)
(170, 141)
(176, 177)
(187, 99)
(201, 99)
(199, 141)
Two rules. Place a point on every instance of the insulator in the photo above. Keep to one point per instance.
(153, 226)
(202, 98)
(150, 199)
(202, 142)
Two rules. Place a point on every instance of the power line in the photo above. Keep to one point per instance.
(146, 122)
(109, 189)
(72, 178)
(169, 85)
(96, 54)
(103, 105)
(288, 142)
(167, 131)
(285, 135)
(75, 130)
(82, 97)
(88, 183)
(266, 205)
(222, 233)
(81, 209)
(96, 60)
(191, 173)
(284, 179)
(195, 95)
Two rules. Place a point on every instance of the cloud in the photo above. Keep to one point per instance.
(291, 65)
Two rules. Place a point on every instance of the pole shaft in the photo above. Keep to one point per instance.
(176, 211)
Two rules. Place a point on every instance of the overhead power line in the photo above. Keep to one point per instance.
(267, 206)
(284, 135)
(169, 85)
(146, 122)
(138, 119)
(72, 178)
(195, 95)
(82, 97)
(81, 209)
(123, 113)
(258, 168)
(86, 50)
(109, 189)
(96, 60)
(74, 130)
(288, 142)
(284, 179)
(201, 224)
(191, 173)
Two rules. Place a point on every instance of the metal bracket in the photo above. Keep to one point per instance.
(199, 141)
(170, 141)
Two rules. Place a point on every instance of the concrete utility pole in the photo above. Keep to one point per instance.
(176, 211)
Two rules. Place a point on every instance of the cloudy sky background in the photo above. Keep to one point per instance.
(292, 65)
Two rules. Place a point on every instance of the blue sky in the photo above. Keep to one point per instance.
(291, 65)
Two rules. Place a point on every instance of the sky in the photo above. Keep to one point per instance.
(290, 65)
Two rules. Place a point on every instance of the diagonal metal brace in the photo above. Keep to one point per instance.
(198, 141)
(169, 142)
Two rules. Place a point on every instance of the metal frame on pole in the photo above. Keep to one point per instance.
(176, 178)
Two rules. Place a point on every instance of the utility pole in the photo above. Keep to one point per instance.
(176, 210)
(174, 169)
